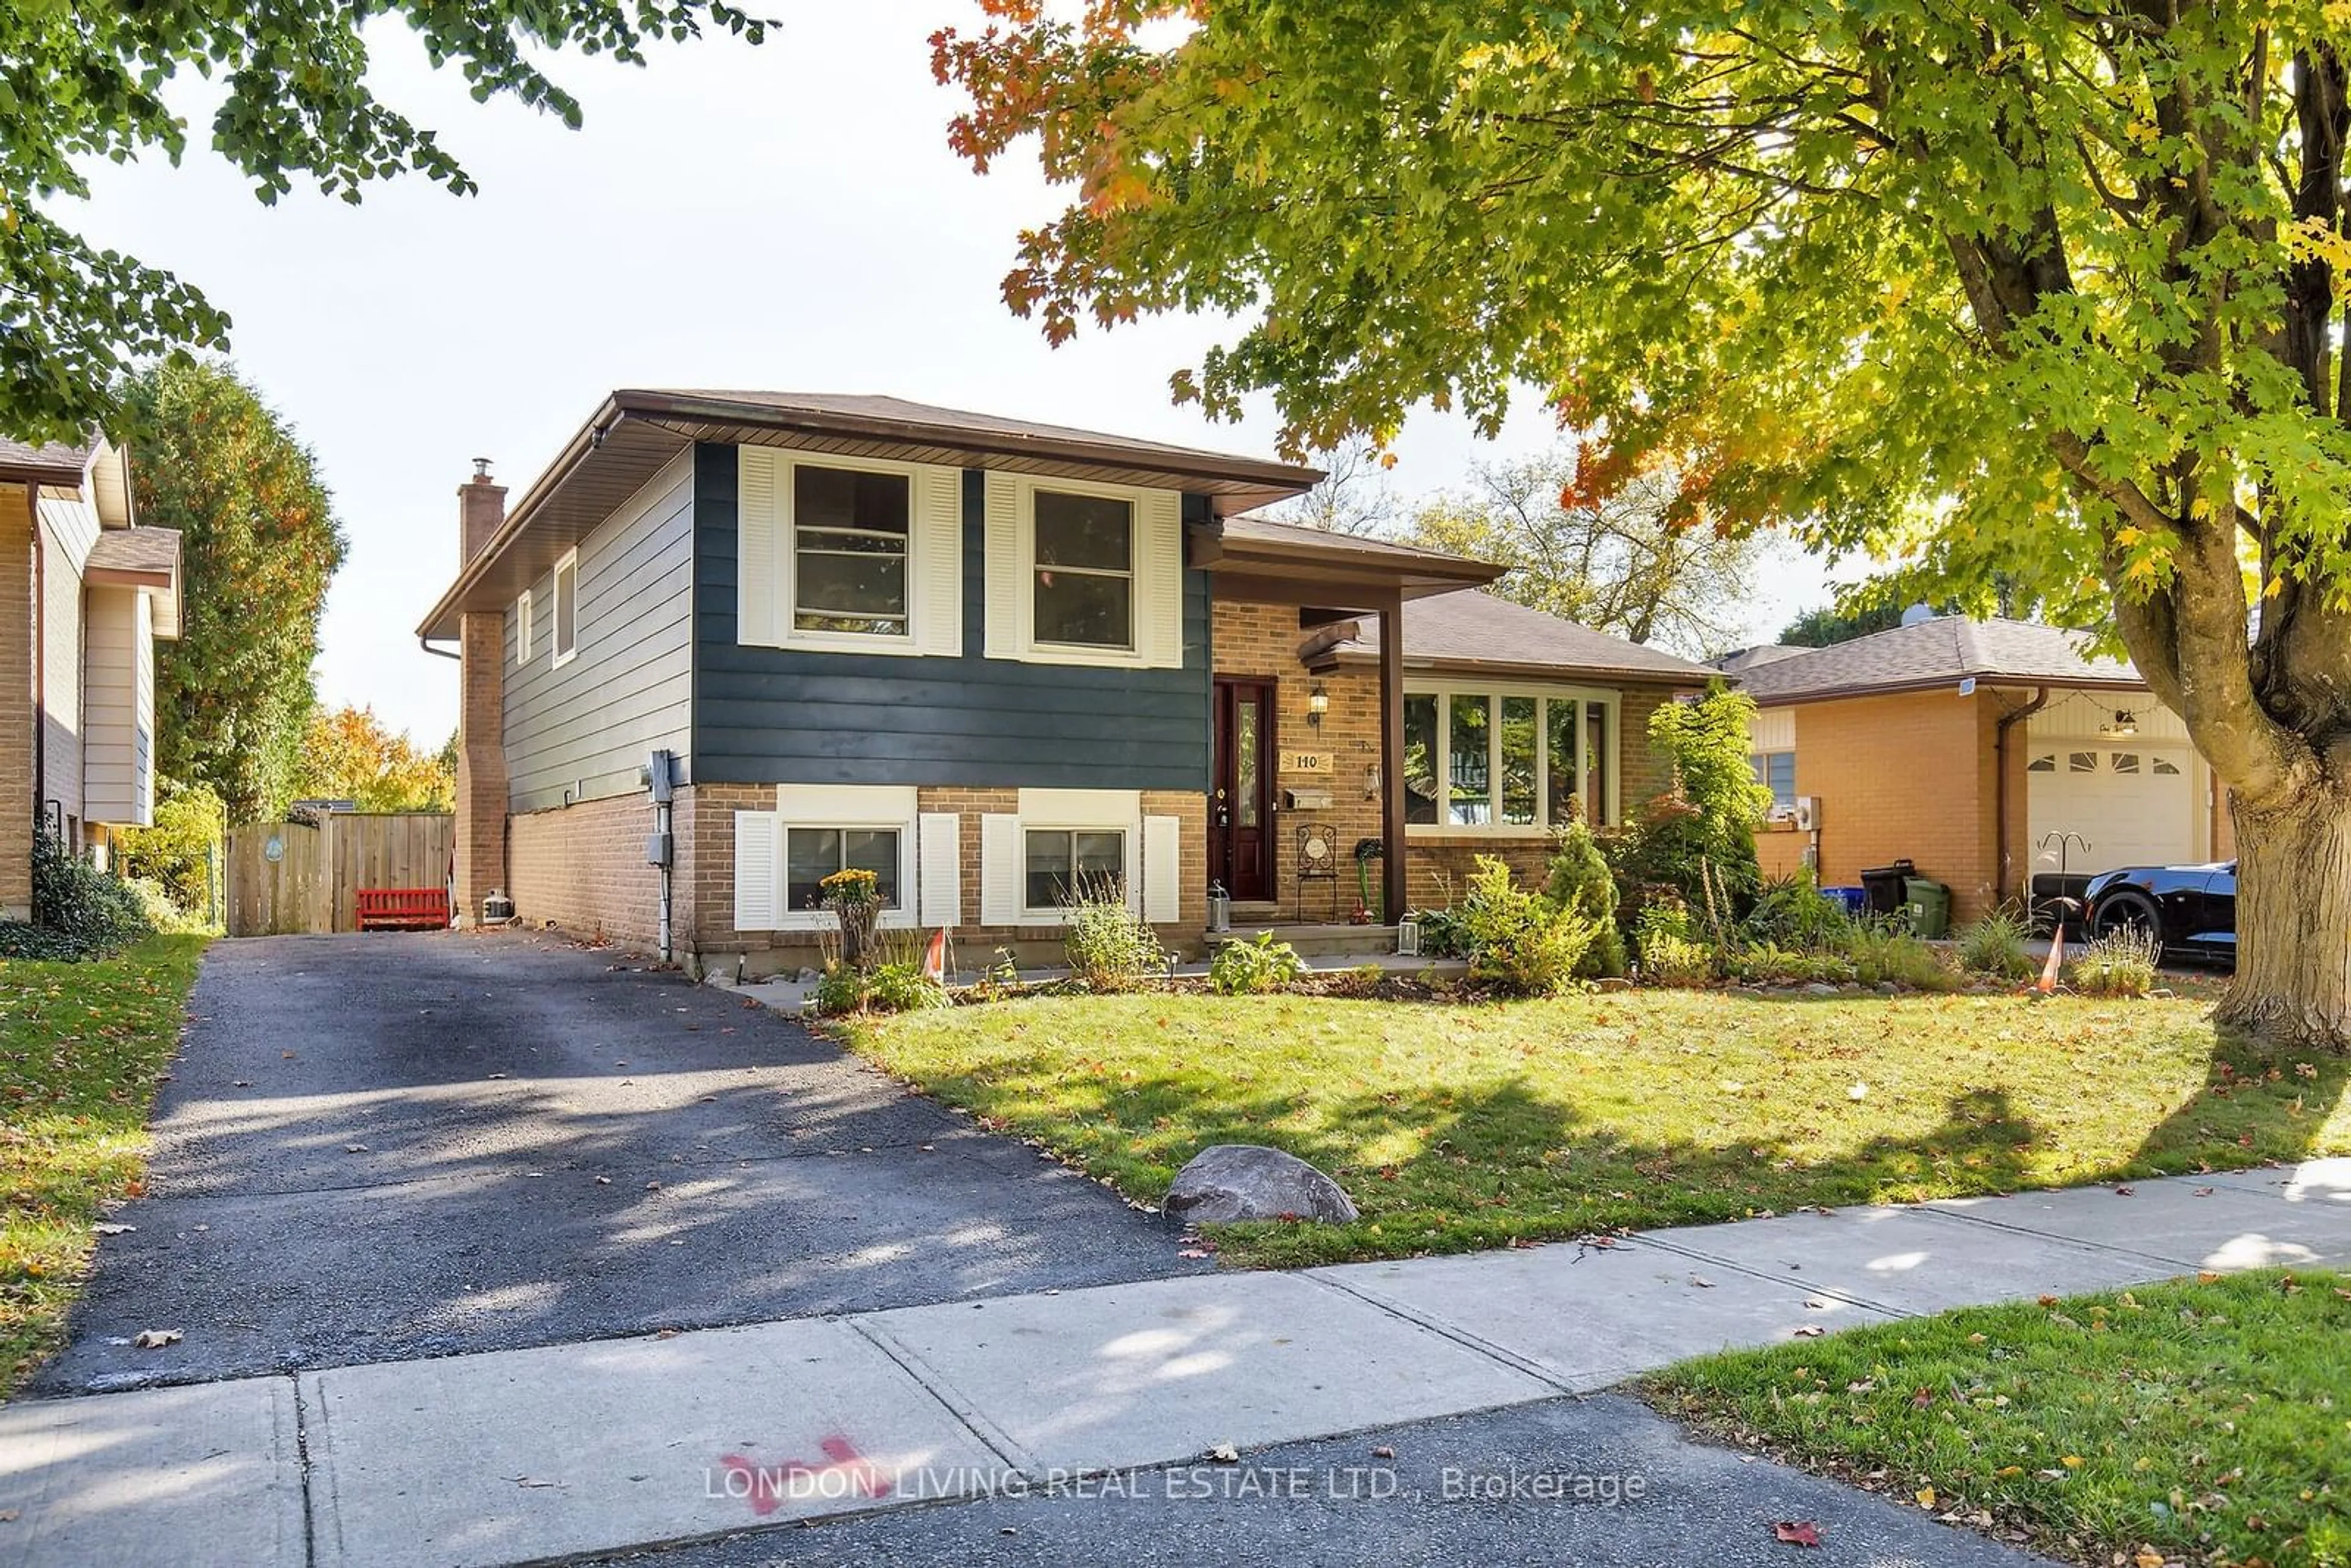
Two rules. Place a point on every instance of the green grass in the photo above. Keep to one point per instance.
(2206, 1421)
(80, 1049)
(1464, 1127)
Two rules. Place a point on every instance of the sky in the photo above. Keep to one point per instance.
(784, 217)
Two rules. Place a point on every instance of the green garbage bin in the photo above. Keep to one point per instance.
(1927, 904)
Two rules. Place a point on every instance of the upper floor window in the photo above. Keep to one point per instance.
(1085, 570)
(567, 608)
(848, 555)
(850, 531)
(523, 628)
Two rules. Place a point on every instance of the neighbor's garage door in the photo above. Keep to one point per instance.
(2134, 804)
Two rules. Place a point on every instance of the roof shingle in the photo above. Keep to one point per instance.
(1943, 649)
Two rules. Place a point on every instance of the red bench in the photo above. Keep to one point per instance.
(404, 908)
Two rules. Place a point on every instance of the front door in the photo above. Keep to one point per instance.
(1241, 804)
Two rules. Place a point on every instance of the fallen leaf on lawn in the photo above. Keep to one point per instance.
(1858, 1092)
(1920, 1400)
(1811, 1331)
(1796, 1532)
(2048, 1301)
(1926, 1497)
(2148, 1557)
(2072, 1461)
(1225, 1454)
(2207, 1277)
(155, 1339)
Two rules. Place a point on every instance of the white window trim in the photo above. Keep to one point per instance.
(1024, 513)
(1608, 700)
(570, 561)
(1130, 849)
(852, 808)
(1079, 811)
(522, 627)
(908, 642)
(1763, 774)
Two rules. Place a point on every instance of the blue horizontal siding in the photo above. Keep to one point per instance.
(765, 716)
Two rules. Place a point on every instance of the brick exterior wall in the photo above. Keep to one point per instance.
(1909, 775)
(582, 869)
(481, 857)
(18, 623)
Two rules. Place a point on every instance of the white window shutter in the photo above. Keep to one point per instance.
(758, 870)
(757, 550)
(942, 868)
(1159, 606)
(1001, 862)
(937, 591)
(1163, 870)
(1007, 573)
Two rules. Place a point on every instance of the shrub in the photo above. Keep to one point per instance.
(1253, 968)
(1670, 960)
(1521, 942)
(2122, 964)
(164, 912)
(1791, 912)
(182, 849)
(79, 910)
(1109, 945)
(1880, 951)
(1580, 880)
(1441, 933)
(1769, 966)
(1995, 945)
(1698, 841)
(887, 988)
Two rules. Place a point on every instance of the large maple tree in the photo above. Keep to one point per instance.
(2050, 292)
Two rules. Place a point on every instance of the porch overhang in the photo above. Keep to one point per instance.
(1259, 560)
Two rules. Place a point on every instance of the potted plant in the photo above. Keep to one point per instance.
(854, 896)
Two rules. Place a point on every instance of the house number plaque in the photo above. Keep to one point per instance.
(1306, 762)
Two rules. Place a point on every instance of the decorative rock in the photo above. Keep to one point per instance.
(1820, 988)
(1247, 1181)
(1612, 983)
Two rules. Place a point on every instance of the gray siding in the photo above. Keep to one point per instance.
(584, 731)
(785, 715)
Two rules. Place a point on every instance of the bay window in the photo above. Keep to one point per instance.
(1507, 761)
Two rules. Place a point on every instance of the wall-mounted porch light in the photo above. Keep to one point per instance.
(1318, 702)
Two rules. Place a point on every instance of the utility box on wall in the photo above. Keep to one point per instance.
(1808, 813)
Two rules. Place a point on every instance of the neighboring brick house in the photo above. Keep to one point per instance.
(982, 658)
(89, 592)
(1994, 754)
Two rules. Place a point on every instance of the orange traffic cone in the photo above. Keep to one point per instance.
(935, 957)
(2047, 984)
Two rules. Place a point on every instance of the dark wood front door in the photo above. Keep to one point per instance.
(1241, 802)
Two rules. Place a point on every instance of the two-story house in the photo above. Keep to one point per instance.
(987, 660)
(89, 592)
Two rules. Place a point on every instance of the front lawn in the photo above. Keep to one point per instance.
(1463, 1126)
(2207, 1421)
(81, 1047)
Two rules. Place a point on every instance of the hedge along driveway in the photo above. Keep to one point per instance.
(82, 1047)
(1458, 1126)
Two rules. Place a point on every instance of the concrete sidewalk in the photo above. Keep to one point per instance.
(526, 1455)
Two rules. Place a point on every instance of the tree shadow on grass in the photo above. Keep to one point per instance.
(2257, 1105)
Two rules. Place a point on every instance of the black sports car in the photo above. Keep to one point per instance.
(2190, 909)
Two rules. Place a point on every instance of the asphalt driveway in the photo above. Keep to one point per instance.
(388, 1146)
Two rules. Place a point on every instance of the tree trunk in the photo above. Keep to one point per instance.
(2292, 985)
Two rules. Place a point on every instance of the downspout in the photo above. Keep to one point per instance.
(1999, 783)
(40, 656)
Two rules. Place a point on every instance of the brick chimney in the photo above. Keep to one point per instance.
(481, 508)
(481, 712)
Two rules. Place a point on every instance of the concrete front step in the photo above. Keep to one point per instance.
(1314, 941)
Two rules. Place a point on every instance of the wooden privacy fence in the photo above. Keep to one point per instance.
(289, 878)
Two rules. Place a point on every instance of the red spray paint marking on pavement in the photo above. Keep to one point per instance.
(849, 1474)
